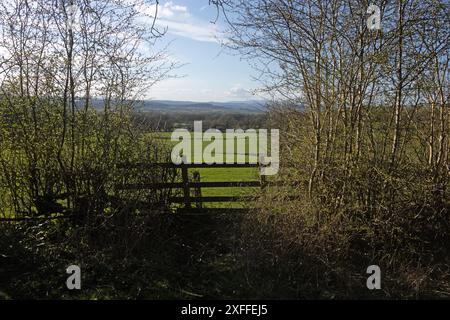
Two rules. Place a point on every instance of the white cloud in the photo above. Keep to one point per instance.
(192, 30)
(179, 21)
(166, 10)
(238, 92)
(4, 53)
(192, 89)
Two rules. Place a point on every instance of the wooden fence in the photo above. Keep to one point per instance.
(186, 184)
(195, 184)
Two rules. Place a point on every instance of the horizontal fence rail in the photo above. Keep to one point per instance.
(209, 184)
(175, 185)
(212, 199)
(188, 165)
(24, 219)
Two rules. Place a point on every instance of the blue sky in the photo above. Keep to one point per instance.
(210, 72)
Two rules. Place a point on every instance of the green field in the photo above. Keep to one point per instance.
(220, 174)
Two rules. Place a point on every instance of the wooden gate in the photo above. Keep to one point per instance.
(187, 184)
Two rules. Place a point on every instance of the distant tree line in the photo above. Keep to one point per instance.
(168, 121)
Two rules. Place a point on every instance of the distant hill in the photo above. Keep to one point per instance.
(177, 106)
(190, 106)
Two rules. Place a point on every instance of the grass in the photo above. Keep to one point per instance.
(220, 174)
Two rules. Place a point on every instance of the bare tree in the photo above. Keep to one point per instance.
(60, 61)
(322, 56)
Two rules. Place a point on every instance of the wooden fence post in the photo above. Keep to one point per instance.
(262, 178)
(197, 190)
(263, 182)
(186, 191)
